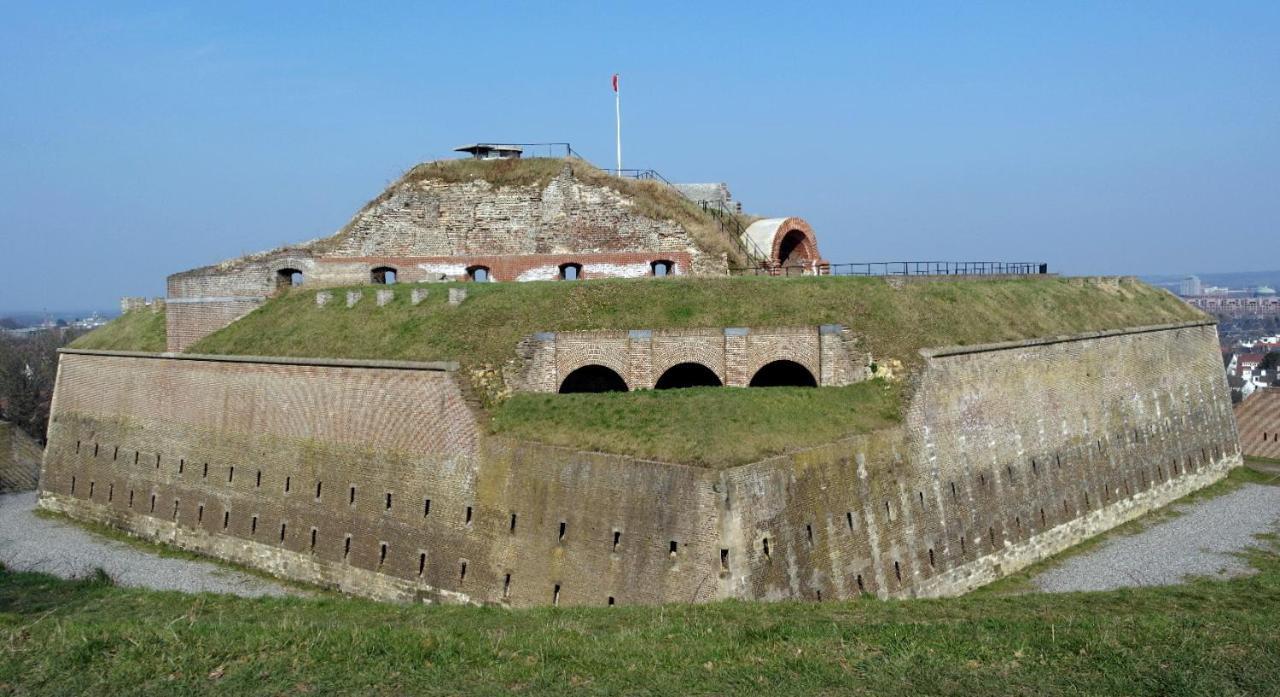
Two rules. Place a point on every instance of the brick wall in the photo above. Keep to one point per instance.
(19, 460)
(1258, 417)
(734, 354)
(1007, 454)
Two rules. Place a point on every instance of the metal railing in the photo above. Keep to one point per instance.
(903, 268)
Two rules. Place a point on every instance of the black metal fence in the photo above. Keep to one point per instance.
(904, 268)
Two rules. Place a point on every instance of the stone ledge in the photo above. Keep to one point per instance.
(442, 366)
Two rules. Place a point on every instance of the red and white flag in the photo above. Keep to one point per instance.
(615, 82)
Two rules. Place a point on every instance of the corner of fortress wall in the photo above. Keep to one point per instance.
(374, 478)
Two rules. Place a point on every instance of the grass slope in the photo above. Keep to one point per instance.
(90, 637)
(705, 426)
(139, 330)
(893, 322)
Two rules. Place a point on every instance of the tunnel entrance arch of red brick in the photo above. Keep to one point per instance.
(688, 374)
(795, 243)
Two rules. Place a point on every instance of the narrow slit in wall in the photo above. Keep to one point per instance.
(808, 531)
(512, 528)
(200, 513)
(313, 539)
(506, 586)
(346, 547)
(848, 519)
(253, 525)
(897, 571)
(611, 601)
(288, 483)
(861, 587)
(388, 500)
(561, 537)
(175, 509)
(555, 595)
(283, 526)
(422, 563)
(257, 482)
(462, 573)
(226, 519)
(724, 560)
(426, 507)
(153, 503)
(766, 546)
(468, 521)
(382, 553)
(617, 537)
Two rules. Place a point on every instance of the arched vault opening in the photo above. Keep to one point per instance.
(783, 374)
(593, 378)
(687, 375)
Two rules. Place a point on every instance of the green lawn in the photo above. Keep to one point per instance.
(139, 330)
(90, 637)
(706, 426)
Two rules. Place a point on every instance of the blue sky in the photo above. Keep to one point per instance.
(137, 140)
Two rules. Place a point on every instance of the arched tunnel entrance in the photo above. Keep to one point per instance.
(593, 378)
(783, 374)
(687, 375)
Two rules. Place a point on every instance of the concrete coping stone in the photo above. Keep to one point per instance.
(1061, 339)
(212, 299)
(354, 296)
(385, 296)
(440, 366)
(545, 336)
(830, 328)
(737, 331)
(640, 334)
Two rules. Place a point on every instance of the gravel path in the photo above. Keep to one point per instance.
(1200, 542)
(31, 543)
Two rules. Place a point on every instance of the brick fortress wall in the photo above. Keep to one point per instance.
(734, 354)
(1007, 454)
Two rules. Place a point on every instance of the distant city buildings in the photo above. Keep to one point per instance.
(1191, 287)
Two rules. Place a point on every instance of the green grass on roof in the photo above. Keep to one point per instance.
(138, 330)
(891, 322)
(703, 426)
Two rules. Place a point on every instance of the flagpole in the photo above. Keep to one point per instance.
(617, 108)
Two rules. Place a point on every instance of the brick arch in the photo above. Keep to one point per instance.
(571, 355)
(758, 356)
(794, 243)
(708, 352)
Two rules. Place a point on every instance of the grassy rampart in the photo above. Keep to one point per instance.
(138, 330)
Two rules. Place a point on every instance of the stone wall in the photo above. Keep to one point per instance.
(1258, 417)
(1009, 453)
(734, 354)
(348, 473)
(375, 478)
(19, 459)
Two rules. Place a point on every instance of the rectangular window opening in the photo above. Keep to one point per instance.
(555, 595)
(897, 571)
(512, 529)
(506, 586)
(724, 560)
(388, 500)
(462, 573)
(382, 553)
(314, 532)
(561, 538)
(468, 515)
(611, 601)
(861, 588)
(673, 548)
(131, 498)
(617, 537)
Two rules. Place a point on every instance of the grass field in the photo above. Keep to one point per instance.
(90, 637)
(139, 330)
(705, 426)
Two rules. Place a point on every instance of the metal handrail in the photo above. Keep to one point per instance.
(903, 268)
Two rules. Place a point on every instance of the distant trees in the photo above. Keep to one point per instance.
(28, 368)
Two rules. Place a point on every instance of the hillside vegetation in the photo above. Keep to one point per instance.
(892, 322)
(91, 637)
(702, 426)
(139, 330)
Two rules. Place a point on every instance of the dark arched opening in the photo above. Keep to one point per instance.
(593, 378)
(383, 275)
(480, 274)
(662, 268)
(794, 249)
(783, 374)
(570, 272)
(687, 375)
(288, 278)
